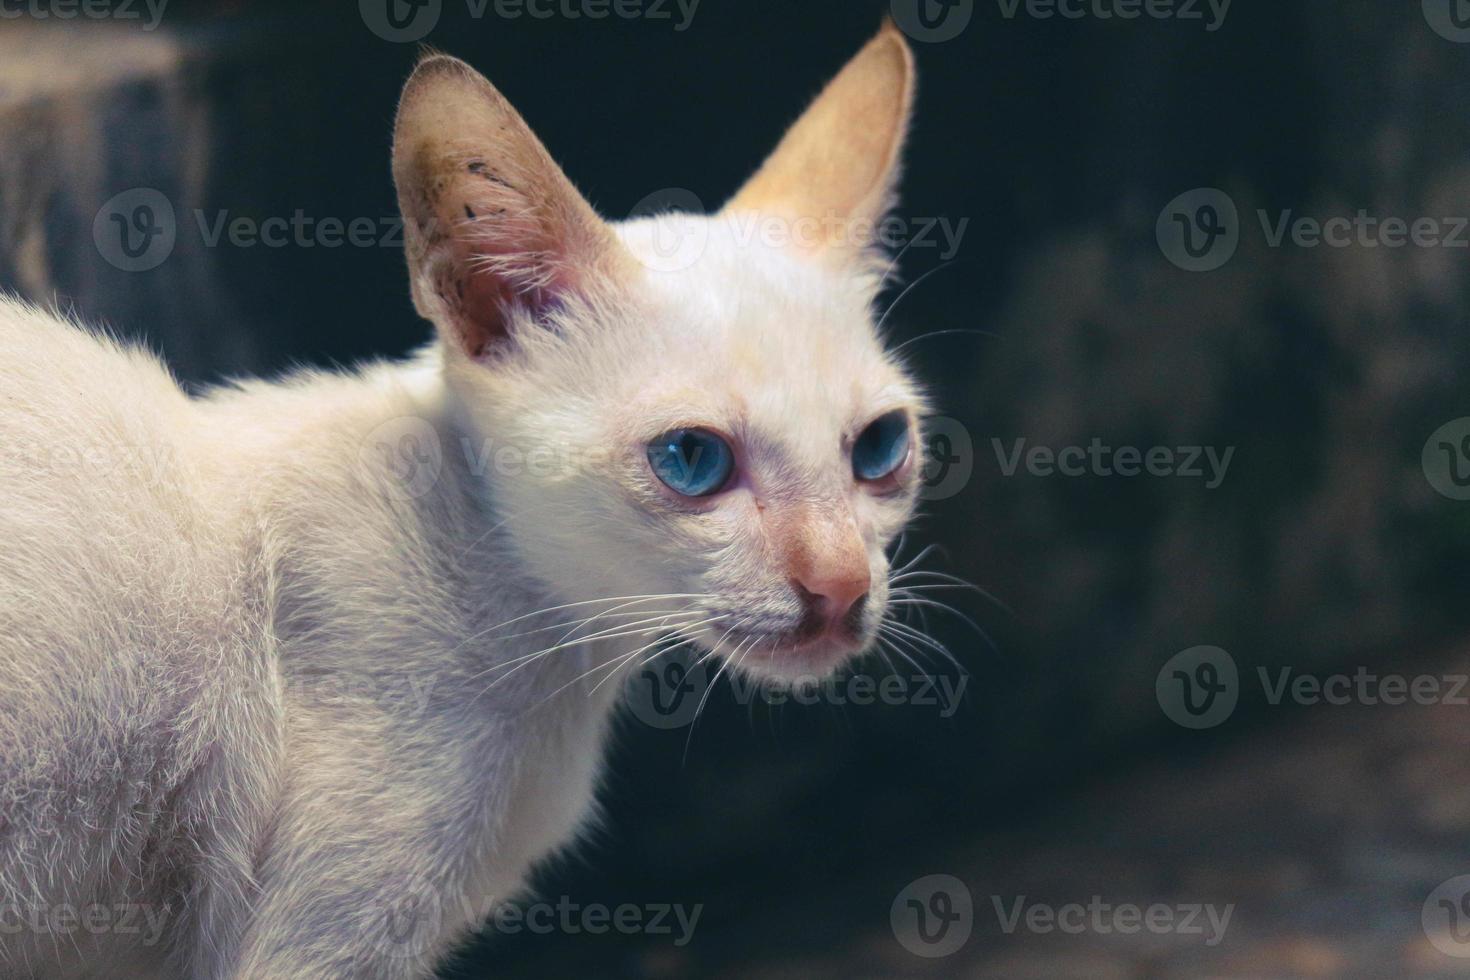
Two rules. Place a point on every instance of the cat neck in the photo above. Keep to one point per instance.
(389, 561)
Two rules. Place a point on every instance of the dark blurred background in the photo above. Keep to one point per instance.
(1336, 542)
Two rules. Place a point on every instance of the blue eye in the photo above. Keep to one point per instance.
(693, 462)
(882, 447)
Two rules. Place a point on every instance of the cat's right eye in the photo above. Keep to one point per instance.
(692, 462)
(882, 448)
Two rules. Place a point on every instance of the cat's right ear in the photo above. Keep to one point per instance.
(490, 221)
(835, 170)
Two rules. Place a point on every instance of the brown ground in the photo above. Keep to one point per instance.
(1327, 827)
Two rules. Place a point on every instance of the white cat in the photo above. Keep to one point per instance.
(298, 680)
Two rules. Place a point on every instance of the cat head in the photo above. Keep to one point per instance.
(722, 440)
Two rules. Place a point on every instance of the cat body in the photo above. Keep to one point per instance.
(301, 679)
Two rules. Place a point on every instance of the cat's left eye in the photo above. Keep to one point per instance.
(692, 462)
(882, 447)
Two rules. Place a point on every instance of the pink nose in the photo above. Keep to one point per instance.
(830, 598)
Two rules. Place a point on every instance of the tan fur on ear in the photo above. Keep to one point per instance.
(838, 164)
(490, 220)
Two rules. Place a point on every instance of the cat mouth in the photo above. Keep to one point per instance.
(791, 653)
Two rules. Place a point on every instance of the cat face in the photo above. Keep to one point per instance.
(724, 445)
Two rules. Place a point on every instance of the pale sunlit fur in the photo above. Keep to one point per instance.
(273, 692)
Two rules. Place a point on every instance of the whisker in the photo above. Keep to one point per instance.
(615, 663)
(922, 672)
(908, 289)
(942, 333)
(571, 605)
(946, 584)
(699, 708)
(613, 633)
(675, 640)
(923, 640)
(926, 552)
(921, 603)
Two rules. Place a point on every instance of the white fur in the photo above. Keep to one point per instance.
(270, 697)
(242, 673)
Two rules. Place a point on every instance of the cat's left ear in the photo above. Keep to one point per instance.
(833, 176)
(491, 224)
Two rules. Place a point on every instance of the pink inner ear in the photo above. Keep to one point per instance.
(502, 256)
(479, 295)
(483, 312)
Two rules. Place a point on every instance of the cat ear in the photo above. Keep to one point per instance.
(490, 221)
(833, 175)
